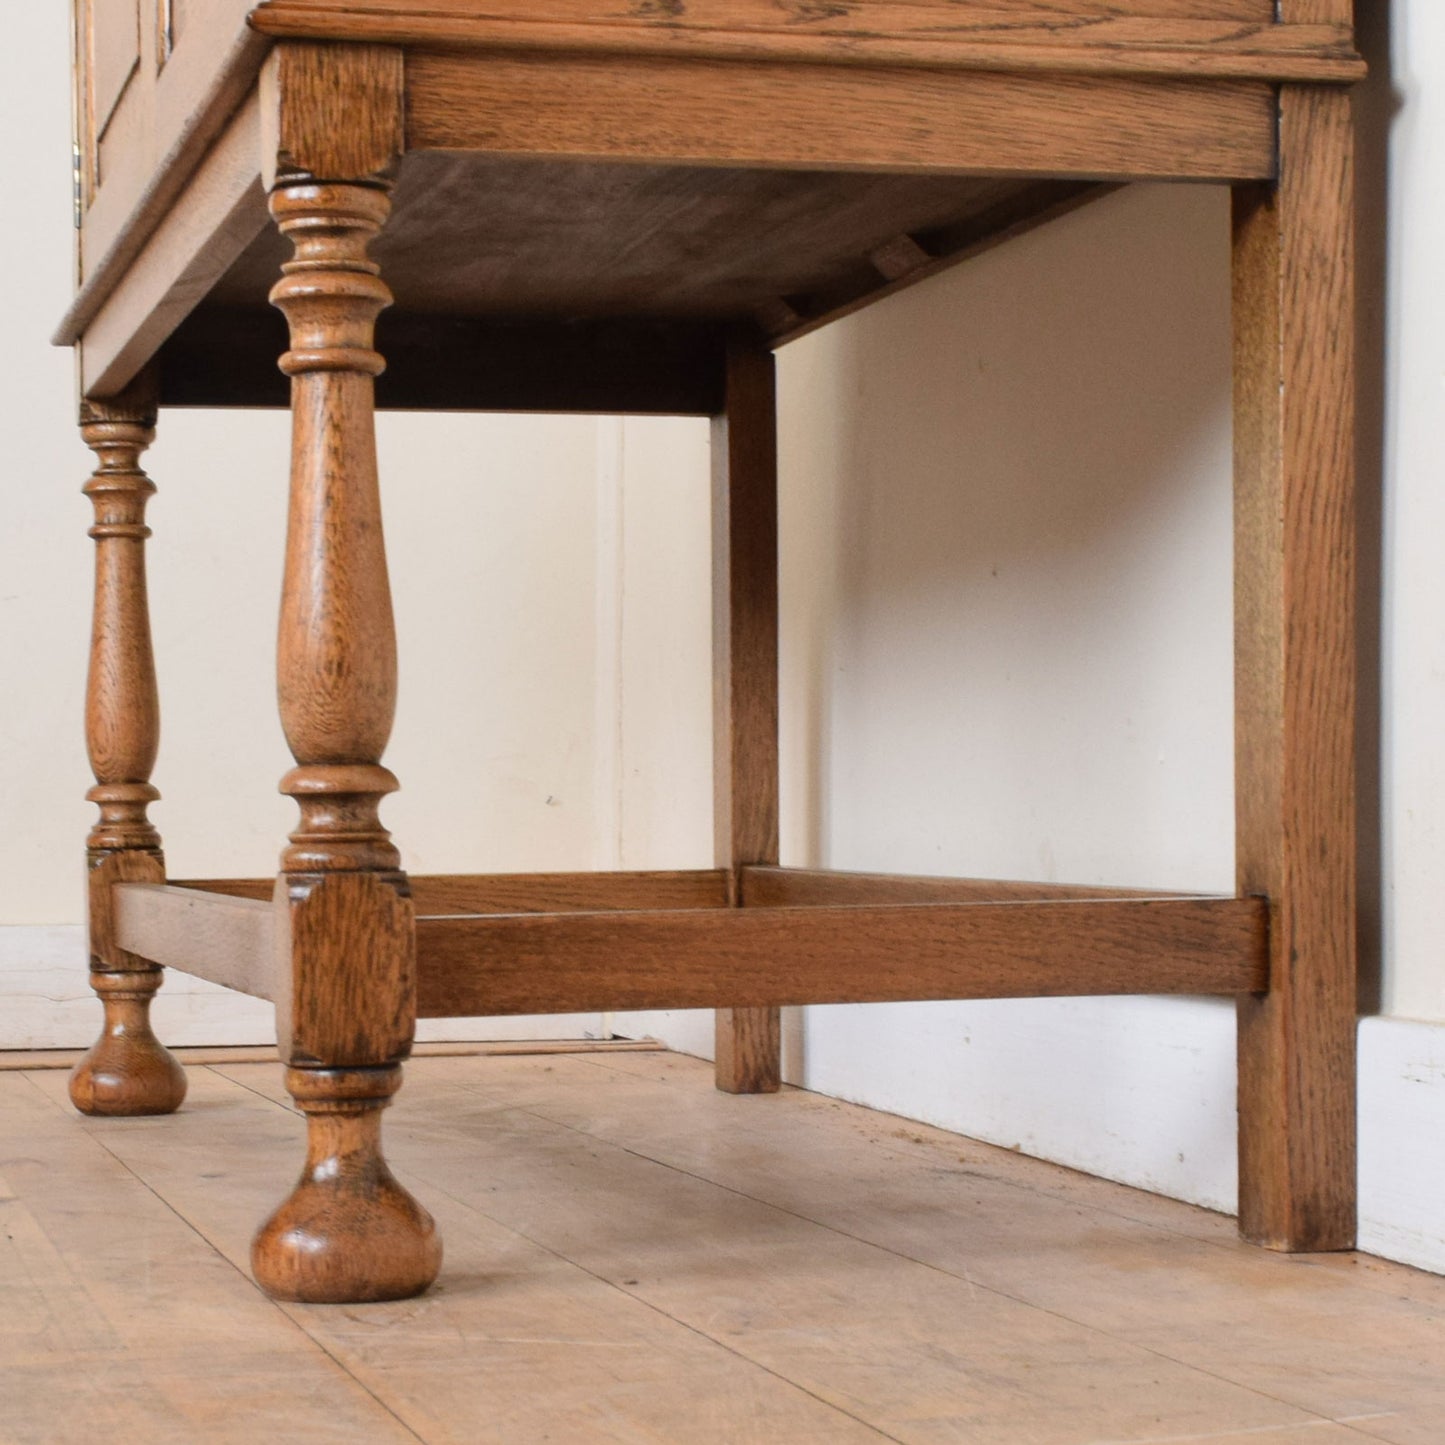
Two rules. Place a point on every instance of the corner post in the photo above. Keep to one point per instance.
(745, 673)
(1294, 676)
(346, 1001)
(127, 1070)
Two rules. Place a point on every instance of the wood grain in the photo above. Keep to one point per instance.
(1317, 12)
(767, 957)
(128, 1070)
(758, 886)
(801, 887)
(346, 980)
(348, 1233)
(1294, 678)
(330, 112)
(227, 940)
(1037, 1303)
(700, 112)
(570, 892)
(1240, 40)
(122, 704)
(346, 976)
(748, 1042)
(940, 127)
(105, 868)
(519, 240)
(205, 1356)
(336, 655)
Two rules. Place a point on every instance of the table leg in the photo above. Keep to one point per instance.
(745, 673)
(127, 1070)
(1294, 677)
(346, 1000)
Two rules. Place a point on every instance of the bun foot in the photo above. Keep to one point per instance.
(128, 1071)
(348, 1233)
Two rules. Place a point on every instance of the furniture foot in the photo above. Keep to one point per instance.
(348, 1233)
(747, 1050)
(127, 1070)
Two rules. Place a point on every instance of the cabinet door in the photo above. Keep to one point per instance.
(111, 31)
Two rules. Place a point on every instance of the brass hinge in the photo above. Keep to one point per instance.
(76, 185)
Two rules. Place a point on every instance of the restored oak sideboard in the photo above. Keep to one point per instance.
(626, 207)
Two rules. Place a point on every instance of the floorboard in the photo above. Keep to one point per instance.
(634, 1257)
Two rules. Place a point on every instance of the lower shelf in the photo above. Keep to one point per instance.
(563, 943)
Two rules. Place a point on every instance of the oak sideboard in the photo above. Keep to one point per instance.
(626, 207)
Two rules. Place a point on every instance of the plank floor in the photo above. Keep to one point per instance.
(633, 1257)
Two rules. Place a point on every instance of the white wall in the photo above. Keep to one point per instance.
(1413, 630)
(1006, 652)
(1005, 645)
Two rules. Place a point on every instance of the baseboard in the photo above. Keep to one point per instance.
(1139, 1090)
(44, 980)
(1402, 1141)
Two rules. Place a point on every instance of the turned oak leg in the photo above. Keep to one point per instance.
(745, 674)
(346, 1005)
(127, 1070)
(1294, 678)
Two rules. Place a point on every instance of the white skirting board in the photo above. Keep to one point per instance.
(1140, 1090)
(46, 1003)
(1402, 1141)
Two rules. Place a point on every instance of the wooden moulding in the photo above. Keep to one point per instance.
(770, 957)
(1220, 38)
(836, 117)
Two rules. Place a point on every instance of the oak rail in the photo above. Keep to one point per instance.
(976, 122)
(770, 957)
(935, 36)
(707, 955)
(768, 887)
(532, 892)
(655, 890)
(223, 939)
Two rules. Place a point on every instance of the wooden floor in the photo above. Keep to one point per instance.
(633, 1257)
